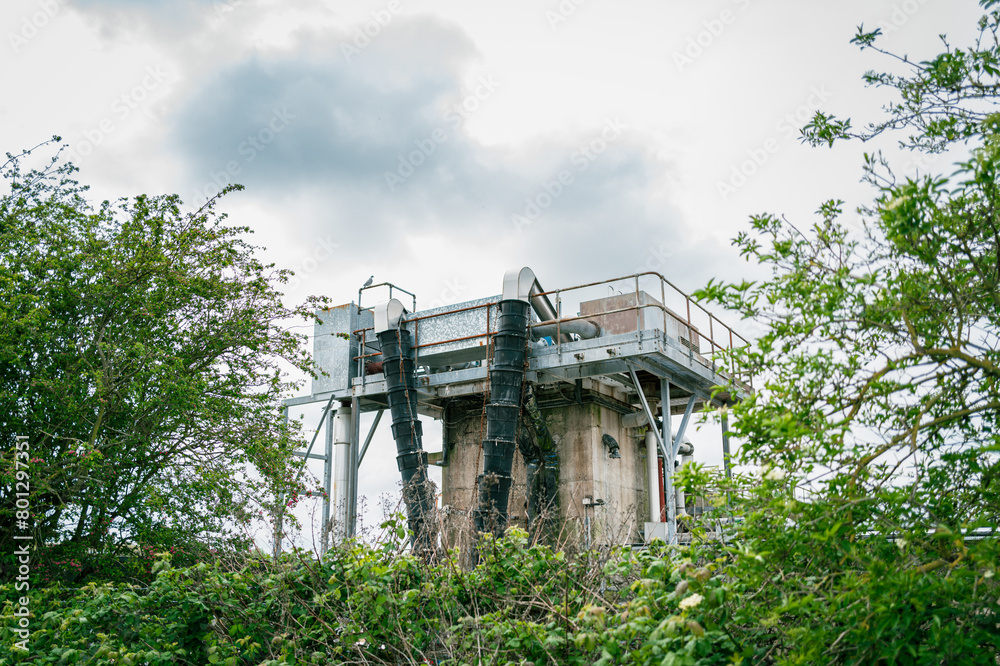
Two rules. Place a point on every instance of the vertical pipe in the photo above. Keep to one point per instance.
(327, 484)
(668, 465)
(340, 495)
(663, 496)
(502, 415)
(407, 431)
(652, 475)
(725, 444)
(681, 498)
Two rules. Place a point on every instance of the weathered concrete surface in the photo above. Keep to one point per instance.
(585, 470)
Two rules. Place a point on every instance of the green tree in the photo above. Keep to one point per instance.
(881, 396)
(140, 352)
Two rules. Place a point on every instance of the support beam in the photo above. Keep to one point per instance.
(668, 465)
(311, 456)
(727, 465)
(371, 433)
(683, 425)
(649, 414)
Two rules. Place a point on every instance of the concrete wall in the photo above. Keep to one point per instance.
(585, 470)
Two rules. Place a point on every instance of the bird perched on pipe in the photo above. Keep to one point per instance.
(369, 283)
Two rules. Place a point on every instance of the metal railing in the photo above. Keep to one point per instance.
(719, 336)
(363, 333)
(730, 338)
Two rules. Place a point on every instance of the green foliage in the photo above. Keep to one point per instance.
(140, 354)
(375, 604)
(871, 536)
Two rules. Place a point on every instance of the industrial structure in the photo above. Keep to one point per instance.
(568, 424)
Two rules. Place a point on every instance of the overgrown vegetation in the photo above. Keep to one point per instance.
(140, 352)
(521, 604)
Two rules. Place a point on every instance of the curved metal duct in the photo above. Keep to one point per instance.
(411, 459)
(506, 381)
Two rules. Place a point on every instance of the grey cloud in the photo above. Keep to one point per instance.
(345, 123)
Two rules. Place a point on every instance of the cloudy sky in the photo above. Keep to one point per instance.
(436, 143)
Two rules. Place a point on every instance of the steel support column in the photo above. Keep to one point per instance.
(327, 486)
(668, 463)
(352, 493)
(725, 444)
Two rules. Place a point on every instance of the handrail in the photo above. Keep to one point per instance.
(730, 339)
(686, 321)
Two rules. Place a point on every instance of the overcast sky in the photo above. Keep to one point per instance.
(437, 143)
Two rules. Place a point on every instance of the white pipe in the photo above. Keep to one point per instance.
(686, 449)
(342, 472)
(653, 474)
(584, 328)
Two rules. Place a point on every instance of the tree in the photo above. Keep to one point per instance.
(140, 353)
(881, 401)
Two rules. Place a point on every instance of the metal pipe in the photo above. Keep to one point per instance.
(585, 328)
(339, 495)
(634, 420)
(502, 413)
(521, 284)
(327, 486)
(653, 474)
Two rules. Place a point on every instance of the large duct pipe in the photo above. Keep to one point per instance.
(339, 495)
(549, 329)
(523, 285)
(506, 381)
(401, 389)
